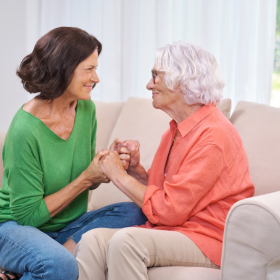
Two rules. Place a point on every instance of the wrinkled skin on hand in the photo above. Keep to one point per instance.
(123, 152)
(133, 147)
(111, 165)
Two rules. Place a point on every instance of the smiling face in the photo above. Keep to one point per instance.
(164, 98)
(83, 79)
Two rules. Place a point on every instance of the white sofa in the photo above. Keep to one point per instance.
(251, 248)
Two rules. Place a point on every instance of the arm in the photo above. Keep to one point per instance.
(93, 175)
(112, 167)
(27, 202)
(251, 239)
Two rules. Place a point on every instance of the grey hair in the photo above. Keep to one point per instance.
(193, 69)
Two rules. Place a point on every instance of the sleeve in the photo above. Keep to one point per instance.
(25, 179)
(176, 201)
(93, 133)
(27, 202)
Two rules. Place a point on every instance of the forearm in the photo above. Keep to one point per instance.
(56, 202)
(139, 173)
(131, 187)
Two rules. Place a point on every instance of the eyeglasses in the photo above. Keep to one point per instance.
(94, 84)
(154, 74)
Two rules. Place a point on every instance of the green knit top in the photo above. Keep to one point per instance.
(37, 163)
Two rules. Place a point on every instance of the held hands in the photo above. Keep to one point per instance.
(120, 157)
(94, 173)
(123, 151)
(133, 146)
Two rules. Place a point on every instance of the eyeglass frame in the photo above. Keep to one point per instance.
(154, 75)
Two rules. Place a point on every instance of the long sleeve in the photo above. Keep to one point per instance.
(188, 191)
(27, 197)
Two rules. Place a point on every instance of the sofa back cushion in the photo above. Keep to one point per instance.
(138, 120)
(2, 139)
(259, 127)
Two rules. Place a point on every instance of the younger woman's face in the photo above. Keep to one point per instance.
(83, 79)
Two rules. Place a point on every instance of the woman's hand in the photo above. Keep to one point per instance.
(111, 165)
(133, 147)
(123, 151)
(94, 173)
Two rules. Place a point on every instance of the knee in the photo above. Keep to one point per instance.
(62, 266)
(89, 244)
(121, 241)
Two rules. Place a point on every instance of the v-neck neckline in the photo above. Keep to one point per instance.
(75, 121)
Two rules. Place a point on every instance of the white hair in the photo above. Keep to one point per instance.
(193, 69)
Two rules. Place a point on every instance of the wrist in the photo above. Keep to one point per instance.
(86, 181)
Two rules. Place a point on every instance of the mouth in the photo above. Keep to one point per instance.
(154, 94)
(88, 87)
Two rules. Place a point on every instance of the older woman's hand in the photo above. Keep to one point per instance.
(133, 147)
(123, 151)
(111, 165)
(94, 173)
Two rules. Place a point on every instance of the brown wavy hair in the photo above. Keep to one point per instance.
(50, 67)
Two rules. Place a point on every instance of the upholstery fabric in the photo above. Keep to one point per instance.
(251, 248)
(184, 273)
(258, 126)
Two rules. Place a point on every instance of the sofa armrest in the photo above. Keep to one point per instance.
(251, 248)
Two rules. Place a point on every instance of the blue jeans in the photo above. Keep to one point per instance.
(37, 255)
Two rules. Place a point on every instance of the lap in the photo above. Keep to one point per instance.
(165, 248)
(119, 215)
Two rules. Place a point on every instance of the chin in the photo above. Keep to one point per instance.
(156, 105)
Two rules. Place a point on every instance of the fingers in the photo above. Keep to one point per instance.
(125, 164)
(101, 153)
(115, 144)
(132, 145)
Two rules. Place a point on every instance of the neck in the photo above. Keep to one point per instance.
(183, 111)
(60, 105)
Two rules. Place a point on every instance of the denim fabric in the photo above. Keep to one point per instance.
(36, 255)
(119, 215)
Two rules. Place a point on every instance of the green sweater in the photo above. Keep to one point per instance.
(38, 163)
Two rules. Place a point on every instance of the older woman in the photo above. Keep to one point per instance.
(50, 162)
(199, 171)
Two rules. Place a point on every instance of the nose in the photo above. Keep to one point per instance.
(150, 85)
(94, 77)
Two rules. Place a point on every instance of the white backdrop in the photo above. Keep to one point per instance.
(240, 33)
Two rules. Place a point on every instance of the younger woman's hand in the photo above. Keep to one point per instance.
(111, 165)
(94, 173)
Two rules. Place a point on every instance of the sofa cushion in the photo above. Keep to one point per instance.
(107, 114)
(183, 273)
(258, 126)
(2, 139)
(138, 120)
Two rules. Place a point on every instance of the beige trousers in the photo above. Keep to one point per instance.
(120, 254)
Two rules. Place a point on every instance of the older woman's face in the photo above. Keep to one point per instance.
(84, 77)
(163, 98)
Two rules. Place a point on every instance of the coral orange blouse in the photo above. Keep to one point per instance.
(206, 173)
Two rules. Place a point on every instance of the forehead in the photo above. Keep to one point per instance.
(92, 59)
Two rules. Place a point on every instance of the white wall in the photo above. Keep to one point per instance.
(12, 50)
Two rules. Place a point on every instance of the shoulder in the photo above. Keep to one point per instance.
(217, 130)
(87, 105)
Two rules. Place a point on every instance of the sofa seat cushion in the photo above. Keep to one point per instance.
(183, 273)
